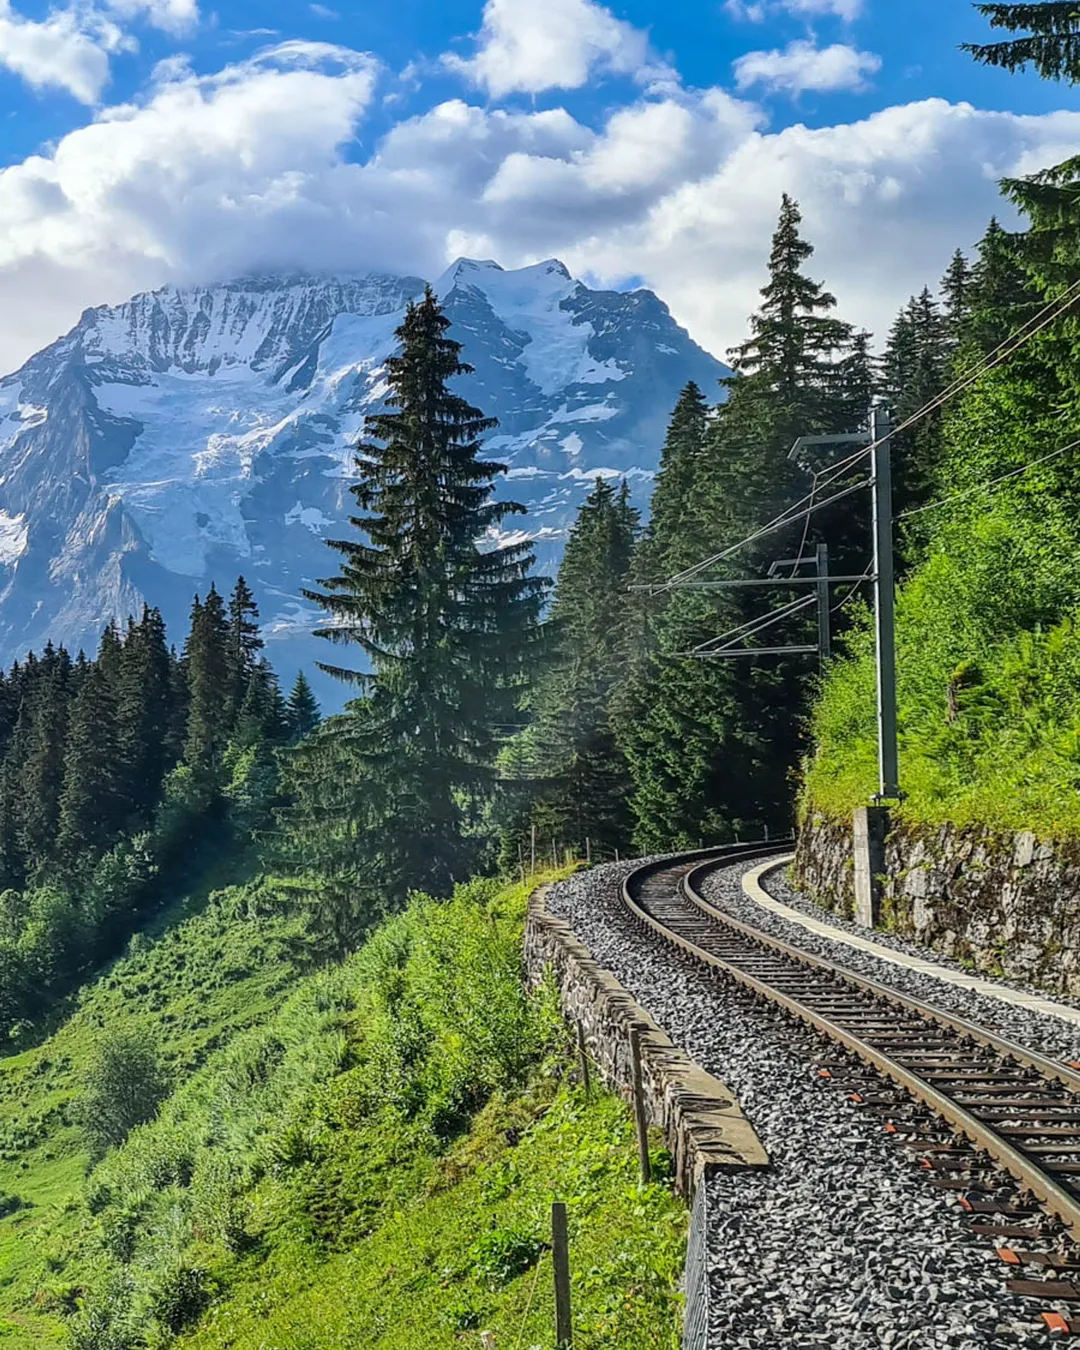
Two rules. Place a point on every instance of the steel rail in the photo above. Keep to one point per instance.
(1023, 1168)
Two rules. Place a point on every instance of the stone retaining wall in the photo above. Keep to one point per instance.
(702, 1122)
(1007, 903)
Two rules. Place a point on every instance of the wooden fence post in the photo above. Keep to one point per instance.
(640, 1119)
(583, 1057)
(560, 1251)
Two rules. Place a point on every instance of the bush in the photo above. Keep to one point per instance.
(124, 1086)
(503, 1254)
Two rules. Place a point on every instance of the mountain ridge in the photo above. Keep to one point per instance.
(194, 432)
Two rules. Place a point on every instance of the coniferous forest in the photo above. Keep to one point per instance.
(125, 776)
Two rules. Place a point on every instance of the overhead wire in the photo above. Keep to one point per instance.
(984, 487)
(1007, 347)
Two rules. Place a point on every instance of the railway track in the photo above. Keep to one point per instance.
(993, 1121)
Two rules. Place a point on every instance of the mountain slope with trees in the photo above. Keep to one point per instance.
(987, 623)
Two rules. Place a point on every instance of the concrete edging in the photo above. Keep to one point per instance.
(702, 1121)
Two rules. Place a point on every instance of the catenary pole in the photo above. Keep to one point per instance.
(884, 607)
(824, 616)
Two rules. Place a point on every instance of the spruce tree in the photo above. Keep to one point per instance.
(956, 296)
(568, 756)
(94, 803)
(1049, 41)
(302, 710)
(445, 612)
(670, 541)
(916, 369)
(207, 670)
(244, 643)
(711, 744)
(43, 766)
(144, 712)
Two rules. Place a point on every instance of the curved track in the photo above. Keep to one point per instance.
(1017, 1108)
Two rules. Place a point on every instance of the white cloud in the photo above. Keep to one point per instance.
(174, 16)
(848, 10)
(66, 50)
(526, 46)
(324, 12)
(260, 165)
(802, 66)
(756, 10)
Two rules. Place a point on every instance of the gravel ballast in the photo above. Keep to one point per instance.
(842, 1242)
(1038, 1031)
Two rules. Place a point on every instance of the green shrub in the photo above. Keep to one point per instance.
(123, 1087)
(503, 1254)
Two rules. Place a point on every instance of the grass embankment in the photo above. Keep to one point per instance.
(220, 968)
(989, 726)
(367, 1160)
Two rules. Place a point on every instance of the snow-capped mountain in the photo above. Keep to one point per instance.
(191, 434)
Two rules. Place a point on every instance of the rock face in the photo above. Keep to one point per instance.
(1008, 903)
(191, 434)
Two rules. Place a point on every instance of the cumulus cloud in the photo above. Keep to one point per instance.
(802, 67)
(527, 47)
(66, 50)
(174, 16)
(260, 165)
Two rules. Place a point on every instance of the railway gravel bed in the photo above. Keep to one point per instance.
(842, 1243)
(1049, 1035)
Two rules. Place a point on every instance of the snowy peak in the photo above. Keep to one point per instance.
(264, 324)
(195, 432)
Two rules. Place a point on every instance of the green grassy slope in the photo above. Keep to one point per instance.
(363, 1155)
(212, 974)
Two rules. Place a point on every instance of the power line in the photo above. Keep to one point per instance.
(1053, 310)
(805, 529)
(983, 487)
(1009, 346)
(866, 576)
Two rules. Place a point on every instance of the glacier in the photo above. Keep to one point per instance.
(194, 433)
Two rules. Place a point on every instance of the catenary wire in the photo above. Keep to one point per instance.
(984, 487)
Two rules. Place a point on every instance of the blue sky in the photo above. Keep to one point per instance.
(146, 142)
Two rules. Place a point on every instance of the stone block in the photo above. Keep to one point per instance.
(871, 827)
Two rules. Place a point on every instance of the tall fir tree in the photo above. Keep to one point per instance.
(94, 803)
(301, 710)
(956, 296)
(446, 614)
(574, 772)
(671, 540)
(43, 766)
(144, 696)
(207, 670)
(1049, 38)
(711, 744)
(244, 643)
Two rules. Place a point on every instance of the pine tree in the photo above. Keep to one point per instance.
(711, 744)
(13, 859)
(302, 711)
(43, 766)
(206, 662)
(93, 804)
(143, 698)
(670, 541)
(794, 341)
(956, 287)
(568, 756)
(448, 622)
(1050, 40)
(1001, 297)
(244, 643)
(916, 369)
